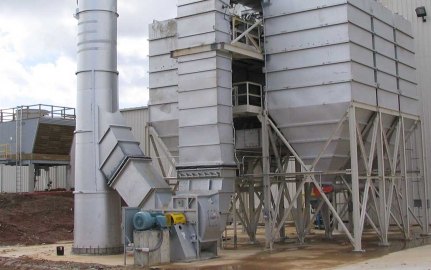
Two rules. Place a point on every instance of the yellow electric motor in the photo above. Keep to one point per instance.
(175, 218)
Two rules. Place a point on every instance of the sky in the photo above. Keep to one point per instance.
(38, 50)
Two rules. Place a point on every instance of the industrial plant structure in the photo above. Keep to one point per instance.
(35, 146)
(259, 111)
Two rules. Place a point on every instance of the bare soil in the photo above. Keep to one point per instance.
(25, 263)
(47, 218)
(36, 218)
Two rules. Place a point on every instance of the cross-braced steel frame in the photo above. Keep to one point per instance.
(383, 183)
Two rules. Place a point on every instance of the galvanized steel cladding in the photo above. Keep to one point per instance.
(324, 55)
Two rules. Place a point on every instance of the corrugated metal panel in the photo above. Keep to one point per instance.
(7, 176)
(422, 34)
(137, 119)
(61, 177)
(41, 181)
(56, 175)
(27, 176)
(8, 179)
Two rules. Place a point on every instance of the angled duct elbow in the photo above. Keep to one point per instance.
(127, 169)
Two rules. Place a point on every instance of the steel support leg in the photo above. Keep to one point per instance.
(355, 181)
(266, 184)
(426, 210)
(382, 211)
(404, 181)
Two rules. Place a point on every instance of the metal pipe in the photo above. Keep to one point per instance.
(97, 208)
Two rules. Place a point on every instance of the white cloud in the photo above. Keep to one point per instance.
(38, 45)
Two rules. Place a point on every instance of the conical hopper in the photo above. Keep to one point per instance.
(323, 56)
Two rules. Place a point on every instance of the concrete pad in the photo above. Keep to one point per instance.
(411, 259)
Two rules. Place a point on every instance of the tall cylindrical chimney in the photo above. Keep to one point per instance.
(97, 208)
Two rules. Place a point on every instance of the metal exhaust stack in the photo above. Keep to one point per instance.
(97, 208)
(109, 162)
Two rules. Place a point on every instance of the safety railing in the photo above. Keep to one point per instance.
(247, 93)
(37, 111)
(247, 33)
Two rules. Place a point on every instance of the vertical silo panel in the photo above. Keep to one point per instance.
(387, 82)
(205, 121)
(161, 46)
(386, 64)
(163, 79)
(361, 55)
(206, 63)
(408, 89)
(163, 112)
(381, 13)
(284, 102)
(384, 47)
(303, 21)
(187, 28)
(359, 17)
(209, 97)
(384, 30)
(311, 57)
(301, 77)
(292, 103)
(402, 24)
(164, 95)
(359, 36)
(205, 80)
(388, 100)
(310, 38)
(409, 105)
(406, 57)
(363, 93)
(202, 22)
(275, 8)
(407, 73)
(163, 103)
(361, 73)
(405, 41)
(188, 8)
(195, 117)
(162, 62)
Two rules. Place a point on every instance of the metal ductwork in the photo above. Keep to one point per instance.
(191, 110)
(206, 169)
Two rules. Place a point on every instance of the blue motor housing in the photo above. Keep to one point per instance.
(143, 221)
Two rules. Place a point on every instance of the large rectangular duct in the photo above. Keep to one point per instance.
(206, 169)
(205, 83)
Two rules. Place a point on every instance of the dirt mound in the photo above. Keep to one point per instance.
(25, 263)
(36, 218)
